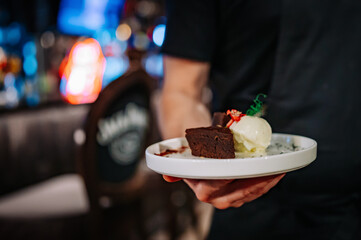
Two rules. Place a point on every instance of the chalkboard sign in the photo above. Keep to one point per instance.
(118, 129)
(122, 135)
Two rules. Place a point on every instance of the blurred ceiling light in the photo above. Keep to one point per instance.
(118, 48)
(29, 49)
(47, 39)
(3, 58)
(1, 36)
(14, 64)
(31, 92)
(103, 36)
(141, 41)
(13, 34)
(134, 24)
(154, 65)
(123, 32)
(77, 81)
(82, 77)
(12, 99)
(86, 54)
(158, 34)
(9, 80)
(146, 8)
(11, 94)
(116, 67)
(30, 65)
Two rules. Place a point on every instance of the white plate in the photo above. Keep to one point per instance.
(286, 153)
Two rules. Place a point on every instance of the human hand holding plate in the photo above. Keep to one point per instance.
(228, 183)
(228, 193)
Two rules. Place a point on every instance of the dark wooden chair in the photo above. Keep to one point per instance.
(118, 128)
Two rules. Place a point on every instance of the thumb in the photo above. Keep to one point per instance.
(171, 179)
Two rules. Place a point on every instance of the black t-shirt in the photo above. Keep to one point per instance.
(306, 56)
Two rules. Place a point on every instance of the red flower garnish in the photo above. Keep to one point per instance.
(235, 116)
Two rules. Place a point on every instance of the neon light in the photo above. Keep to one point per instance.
(85, 17)
(30, 65)
(116, 66)
(1, 36)
(154, 65)
(29, 49)
(82, 72)
(158, 34)
(141, 41)
(123, 32)
(14, 34)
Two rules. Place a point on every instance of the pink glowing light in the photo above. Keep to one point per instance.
(82, 72)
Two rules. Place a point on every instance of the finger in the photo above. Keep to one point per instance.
(243, 187)
(241, 192)
(261, 181)
(204, 189)
(256, 193)
(171, 179)
(260, 186)
(206, 186)
(209, 184)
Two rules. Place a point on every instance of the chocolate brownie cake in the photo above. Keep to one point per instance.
(211, 142)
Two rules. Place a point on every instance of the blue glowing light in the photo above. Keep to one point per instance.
(33, 99)
(141, 41)
(123, 45)
(154, 65)
(9, 80)
(29, 49)
(103, 36)
(30, 65)
(85, 17)
(62, 86)
(158, 34)
(14, 34)
(115, 68)
(1, 36)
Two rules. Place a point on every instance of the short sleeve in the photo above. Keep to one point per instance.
(191, 29)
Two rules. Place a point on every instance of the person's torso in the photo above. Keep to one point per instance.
(306, 56)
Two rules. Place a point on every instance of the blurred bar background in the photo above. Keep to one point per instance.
(73, 75)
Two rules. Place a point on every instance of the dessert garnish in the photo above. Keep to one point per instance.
(170, 151)
(235, 116)
(249, 134)
(256, 108)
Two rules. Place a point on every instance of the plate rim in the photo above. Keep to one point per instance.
(200, 160)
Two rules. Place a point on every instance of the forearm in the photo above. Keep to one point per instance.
(179, 112)
(181, 105)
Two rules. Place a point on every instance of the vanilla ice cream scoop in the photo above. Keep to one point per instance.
(251, 134)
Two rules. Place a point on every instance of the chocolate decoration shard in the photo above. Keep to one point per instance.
(220, 119)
